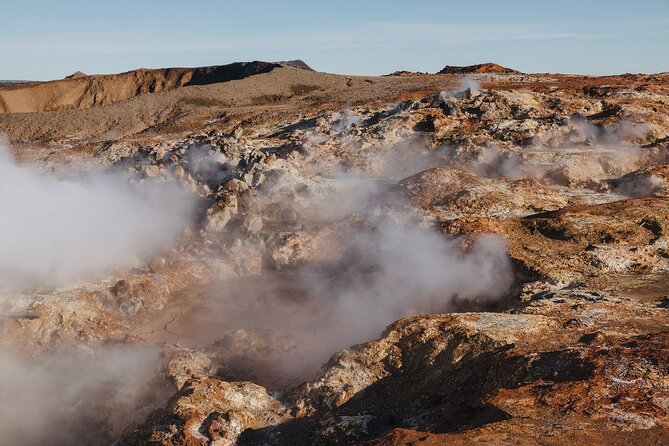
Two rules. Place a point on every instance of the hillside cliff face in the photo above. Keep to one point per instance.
(82, 91)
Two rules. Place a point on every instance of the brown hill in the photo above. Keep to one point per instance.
(81, 92)
(76, 74)
(297, 63)
(10, 83)
(477, 69)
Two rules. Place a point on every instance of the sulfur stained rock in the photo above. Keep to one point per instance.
(253, 223)
(209, 411)
(290, 250)
(439, 373)
(218, 217)
(407, 345)
(143, 293)
(182, 364)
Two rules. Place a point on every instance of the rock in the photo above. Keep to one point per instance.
(77, 74)
(451, 194)
(181, 364)
(424, 188)
(258, 179)
(477, 69)
(472, 93)
(152, 171)
(242, 186)
(142, 293)
(158, 265)
(423, 371)
(322, 125)
(218, 216)
(232, 185)
(208, 411)
(179, 171)
(290, 250)
(248, 178)
(351, 371)
(253, 224)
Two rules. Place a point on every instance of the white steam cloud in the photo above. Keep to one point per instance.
(74, 396)
(278, 331)
(57, 229)
(378, 266)
(465, 85)
(579, 153)
(394, 271)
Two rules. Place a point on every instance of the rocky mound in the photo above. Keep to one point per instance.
(76, 74)
(477, 69)
(296, 63)
(406, 73)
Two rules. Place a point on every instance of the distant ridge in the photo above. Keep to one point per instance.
(9, 83)
(297, 63)
(406, 73)
(76, 74)
(477, 69)
(82, 91)
(465, 69)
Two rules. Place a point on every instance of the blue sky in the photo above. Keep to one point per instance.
(50, 39)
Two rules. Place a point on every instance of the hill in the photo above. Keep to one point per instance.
(477, 69)
(80, 91)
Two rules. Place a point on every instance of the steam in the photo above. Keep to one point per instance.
(378, 266)
(393, 271)
(467, 86)
(58, 229)
(371, 260)
(209, 166)
(281, 329)
(578, 153)
(367, 258)
(641, 185)
(74, 396)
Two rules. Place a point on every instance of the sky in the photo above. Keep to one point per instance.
(42, 39)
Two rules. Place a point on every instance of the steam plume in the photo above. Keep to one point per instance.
(54, 230)
(73, 396)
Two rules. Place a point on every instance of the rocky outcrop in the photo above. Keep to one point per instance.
(463, 376)
(209, 411)
(76, 74)
(581, 242)
(477, 69)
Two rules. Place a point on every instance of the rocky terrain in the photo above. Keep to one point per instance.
(478, 256)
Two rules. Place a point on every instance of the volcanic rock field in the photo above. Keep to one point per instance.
(263, 254)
